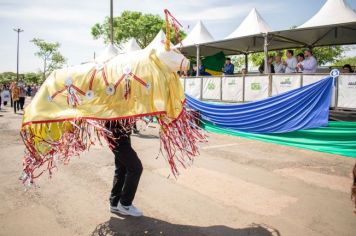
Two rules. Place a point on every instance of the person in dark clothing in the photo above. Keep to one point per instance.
(270, 65)
(128, 170)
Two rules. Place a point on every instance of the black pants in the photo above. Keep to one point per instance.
(128, 170)
(16, 105)
(22, 102)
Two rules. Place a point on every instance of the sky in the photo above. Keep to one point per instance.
(69, 22)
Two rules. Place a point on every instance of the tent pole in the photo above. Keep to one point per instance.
(246, 62)
(198, 56)
(111, 22)
(265, 49)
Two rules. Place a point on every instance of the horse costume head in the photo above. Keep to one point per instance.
(70, 110)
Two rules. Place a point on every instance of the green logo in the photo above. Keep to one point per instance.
(232, 82)
(211, 86)
(286, 82)
(255, 86)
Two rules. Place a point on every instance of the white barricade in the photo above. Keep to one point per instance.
(284, 83)
(193, 87)
(347, 91)
(232, 89)
(256, 87)
(309, 79)
(182, 83)
(211, 88)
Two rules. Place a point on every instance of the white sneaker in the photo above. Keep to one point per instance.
(126, 210)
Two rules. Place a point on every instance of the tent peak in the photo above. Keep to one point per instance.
(199, 34)
(252, 24)
(332, 12)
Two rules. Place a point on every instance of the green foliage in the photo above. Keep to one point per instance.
(348, 60)
(7, 77)
(49, 53)
(33, 78)
(328, 54)
(28, 78)
(132, 24)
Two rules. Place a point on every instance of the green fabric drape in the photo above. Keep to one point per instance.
(337, 138)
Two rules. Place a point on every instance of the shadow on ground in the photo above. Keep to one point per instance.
(125, 226)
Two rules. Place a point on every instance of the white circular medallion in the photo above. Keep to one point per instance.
(127, 70)
(68, 82)
(110, 90)
(89, 94)
(334, 73)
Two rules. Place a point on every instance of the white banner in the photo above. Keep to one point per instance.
(256, 88)
(212, 88)
(232, 89)
(193, 87)
(182, 83)
(347, 91)
(284, 83)
(310, 79)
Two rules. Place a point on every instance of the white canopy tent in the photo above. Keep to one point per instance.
(334, 24)
(109, 52)
(251, 25)
(158, 42)
(333, 12)
(199, 35)
(129, 46)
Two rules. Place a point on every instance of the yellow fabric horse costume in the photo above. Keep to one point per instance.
(70, 110)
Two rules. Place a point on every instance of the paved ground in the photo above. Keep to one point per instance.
(236, 187)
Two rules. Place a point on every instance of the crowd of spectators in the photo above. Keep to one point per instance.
(15, 93)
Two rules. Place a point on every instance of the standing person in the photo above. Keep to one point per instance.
(347, 69)
(22, 96)
(13, 84)
(278, 65)
(128, 170)
(261, 69)
(15, 94)
(5, 95)
(33, 91)
(310, 64)
(300, 60)
(291, 62)
(228, 67)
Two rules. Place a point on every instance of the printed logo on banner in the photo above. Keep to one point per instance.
(255, 86)
(351, 84)
(231, 82)
(286, 83)
(192, 83)
(211, 86)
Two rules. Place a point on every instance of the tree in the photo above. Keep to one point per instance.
(133, 24)
(348, 60)
(48, 52)
(327, 54)
(33, 78)
(7, 77)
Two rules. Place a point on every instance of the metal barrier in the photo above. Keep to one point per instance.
(248, 88)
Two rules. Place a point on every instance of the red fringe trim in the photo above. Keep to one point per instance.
(179, 139)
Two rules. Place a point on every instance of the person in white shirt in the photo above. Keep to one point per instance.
(310, 63)
(291, 62)
(278, 65)
(300, 60)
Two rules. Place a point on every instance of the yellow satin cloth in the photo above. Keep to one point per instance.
(164, 92)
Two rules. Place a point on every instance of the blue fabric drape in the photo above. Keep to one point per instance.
(303, 108)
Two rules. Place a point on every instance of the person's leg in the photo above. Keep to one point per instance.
(11, 101)
(18, 105)
(118, 182)
(22, 102)
(15, 105)
(130, 160)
